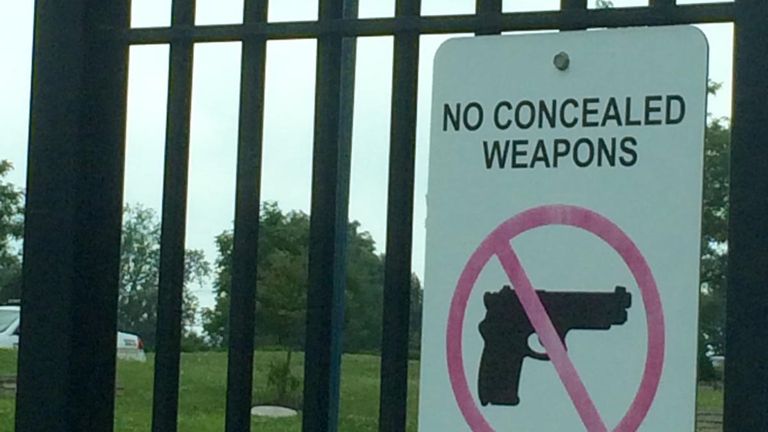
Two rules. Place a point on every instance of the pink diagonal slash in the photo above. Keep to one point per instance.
(542, 323)
(497, 244)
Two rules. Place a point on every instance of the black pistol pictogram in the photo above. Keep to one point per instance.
(506, 329)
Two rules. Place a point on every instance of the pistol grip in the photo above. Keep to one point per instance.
(499, 378)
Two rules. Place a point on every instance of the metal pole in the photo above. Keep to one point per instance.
(165, 403)
(488, 13)
(242, 308)
(397, 267)
(662, 3)
(569, 8)
(746, 370)
(73, 213)
(328, 223)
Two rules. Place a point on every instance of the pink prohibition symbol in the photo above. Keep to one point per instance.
(497, 244)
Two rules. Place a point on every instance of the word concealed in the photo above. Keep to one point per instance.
(582, 153)
(588, 112)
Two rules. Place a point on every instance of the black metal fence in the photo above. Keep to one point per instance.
(74, 200)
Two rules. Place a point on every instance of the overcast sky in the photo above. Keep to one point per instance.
(289, 112)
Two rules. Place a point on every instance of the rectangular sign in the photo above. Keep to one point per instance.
(563, 232)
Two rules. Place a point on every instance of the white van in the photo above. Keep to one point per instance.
(9, 326)
(129, 346)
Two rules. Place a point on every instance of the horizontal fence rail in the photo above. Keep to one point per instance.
(511, 21)
(336, 31)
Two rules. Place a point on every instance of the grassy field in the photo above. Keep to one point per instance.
(203, 386)
(202, 393)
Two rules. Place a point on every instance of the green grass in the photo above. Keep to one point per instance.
(203, 384)
(710, 399)
(7, 407)
(202, 393)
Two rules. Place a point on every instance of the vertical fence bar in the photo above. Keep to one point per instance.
(568, 6)
(746, 369)
(393, 402)
(242, 307)
(171, 280)
(490, 7)
(574, 4)
(66, 373)
(662, 3)
(488, 11)
(328, 221)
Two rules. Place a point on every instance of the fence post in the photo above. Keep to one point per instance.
(242, 308)
(746, 366)
(73, 213)
(165, 401)
(328, 220)
(393, 403)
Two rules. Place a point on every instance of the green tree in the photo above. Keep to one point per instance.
(714, 241)
(139, 271)
(417, 308)
(284, 235)
(281, 294)
(714, 244)
(215, 320)
(282, 285)
(11, 232)
(364, 293)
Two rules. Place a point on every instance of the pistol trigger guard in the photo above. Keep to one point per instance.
(535, 354)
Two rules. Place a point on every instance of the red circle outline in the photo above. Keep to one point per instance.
(606, 230)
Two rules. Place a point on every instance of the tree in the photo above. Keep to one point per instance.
(714, 241)
(281, 294)
(364, 294)
(215, 320)
(714, 244)
(11, 232)
(284, 235)
(139, 271)
(417, 303)
(282, 285)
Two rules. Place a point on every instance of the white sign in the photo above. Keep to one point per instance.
(563, 232)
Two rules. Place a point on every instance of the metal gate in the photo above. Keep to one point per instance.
(74, 200)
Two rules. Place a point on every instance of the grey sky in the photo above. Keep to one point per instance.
(289, 114)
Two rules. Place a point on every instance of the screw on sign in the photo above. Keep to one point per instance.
(545, 312)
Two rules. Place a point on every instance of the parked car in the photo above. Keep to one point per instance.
(718, 362)
(129, 346)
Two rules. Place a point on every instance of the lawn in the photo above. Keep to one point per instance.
(202, 393)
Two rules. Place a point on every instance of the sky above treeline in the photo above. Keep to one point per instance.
(289, 112)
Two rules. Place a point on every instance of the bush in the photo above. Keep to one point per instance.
(283, 388)
(707, 372)
(193, 342)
